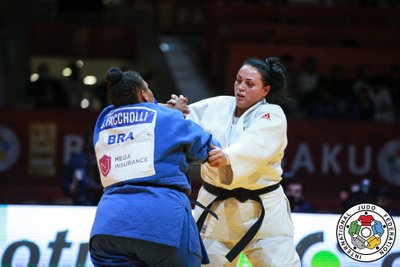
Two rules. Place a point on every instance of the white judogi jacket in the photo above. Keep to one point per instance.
(255, 147)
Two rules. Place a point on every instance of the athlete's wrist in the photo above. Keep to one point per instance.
(228, 161)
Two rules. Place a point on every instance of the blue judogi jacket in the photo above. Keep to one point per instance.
(143, 144)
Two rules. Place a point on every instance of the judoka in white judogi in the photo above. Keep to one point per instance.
(255, 144)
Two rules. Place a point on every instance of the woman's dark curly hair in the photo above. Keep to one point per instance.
(123, 86)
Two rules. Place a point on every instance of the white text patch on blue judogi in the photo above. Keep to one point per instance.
(126, 139)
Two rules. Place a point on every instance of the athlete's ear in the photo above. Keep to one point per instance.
(266, 90)
(143, 96)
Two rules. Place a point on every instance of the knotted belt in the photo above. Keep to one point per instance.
(242, 195)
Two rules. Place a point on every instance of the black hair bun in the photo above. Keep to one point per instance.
(271, 60)
(113, 76)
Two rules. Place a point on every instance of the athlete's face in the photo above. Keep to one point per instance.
(249, 89)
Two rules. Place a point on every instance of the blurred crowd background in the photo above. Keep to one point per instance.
(343, 113)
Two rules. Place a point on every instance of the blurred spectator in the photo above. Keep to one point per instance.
(294, 190)
(358, 193)
(47, 92)
(339, 87)
(75, 86)
(384, 200)
(324, 105)
(363, 79)
(81, 179)
(308, 81)
(360, 106)
(383, 104)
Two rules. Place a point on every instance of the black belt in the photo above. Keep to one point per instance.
(242, 195)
